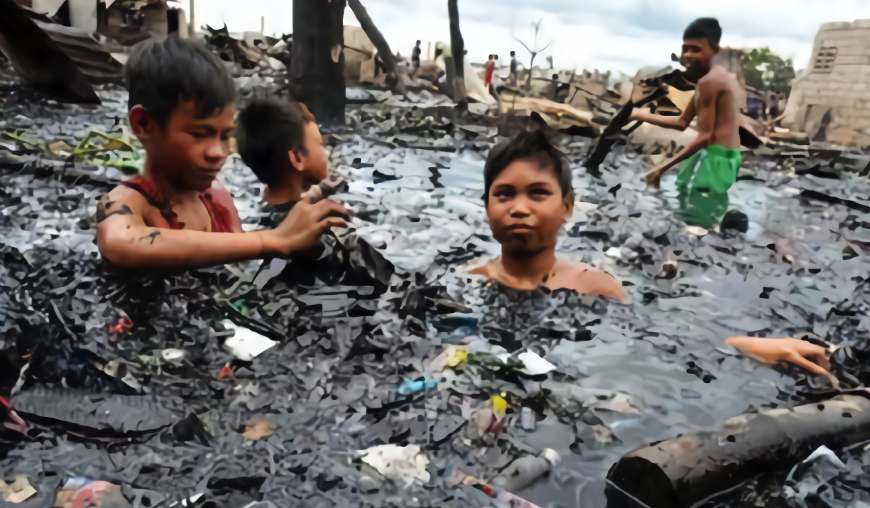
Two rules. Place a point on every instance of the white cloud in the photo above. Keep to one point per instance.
(620, 35)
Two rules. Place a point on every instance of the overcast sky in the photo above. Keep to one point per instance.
(621, 35)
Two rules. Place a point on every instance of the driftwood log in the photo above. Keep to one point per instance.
(691, 470)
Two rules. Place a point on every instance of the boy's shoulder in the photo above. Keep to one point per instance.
(717, 78)
(121, 195)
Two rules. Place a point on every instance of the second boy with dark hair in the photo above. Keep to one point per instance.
(281, 143)
(181, 110)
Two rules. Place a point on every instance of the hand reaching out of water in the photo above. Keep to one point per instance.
(304, 225)
(798, 352)
(654, 177)
(322, 190)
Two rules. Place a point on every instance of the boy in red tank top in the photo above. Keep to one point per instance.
(182, 108)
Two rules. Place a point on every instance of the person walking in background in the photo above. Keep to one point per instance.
(415, 56)
(490, 67)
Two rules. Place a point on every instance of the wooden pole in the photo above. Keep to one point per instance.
(457, 46)
(317, 64)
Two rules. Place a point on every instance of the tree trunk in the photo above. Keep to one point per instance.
(380, 43)
(317, 64)
(457, 46)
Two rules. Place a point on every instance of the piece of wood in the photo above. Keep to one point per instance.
(457, 46)
(317, 64)
(690, 470)
(39, 61)
(384, 51)
(612, 134)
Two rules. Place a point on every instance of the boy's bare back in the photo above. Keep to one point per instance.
(716, 107)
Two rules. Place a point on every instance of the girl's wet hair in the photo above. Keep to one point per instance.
(160, 74)
(523, 145)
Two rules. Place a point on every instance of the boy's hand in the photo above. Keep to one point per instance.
(320, 191)
(654, 177)
(798, 352)
(304, 225)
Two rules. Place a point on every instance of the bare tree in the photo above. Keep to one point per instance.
(457, 47)
(317, 64)
(534, 52)
(384, 51)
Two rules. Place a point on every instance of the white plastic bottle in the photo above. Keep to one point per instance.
(524, 471)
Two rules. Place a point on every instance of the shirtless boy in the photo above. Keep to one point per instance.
(528, 197)
(708, 165)
(182, 111)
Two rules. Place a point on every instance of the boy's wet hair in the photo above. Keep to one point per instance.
(267, 131)
(705, 28)
(523, 145)
(160, 74)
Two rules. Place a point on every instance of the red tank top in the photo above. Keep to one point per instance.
(219, 214)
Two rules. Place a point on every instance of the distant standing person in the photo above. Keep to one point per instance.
(513, 67)
(490, 67)
(709, 164)
(415, 56)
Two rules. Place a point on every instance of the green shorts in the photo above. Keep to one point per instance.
(703, 183)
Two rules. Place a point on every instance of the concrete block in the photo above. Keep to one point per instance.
(840, 43)
(855, 33)
(814, 85)
(852, 47)
(852, 60)
(851, 70)
(835, 25)
(859, 123)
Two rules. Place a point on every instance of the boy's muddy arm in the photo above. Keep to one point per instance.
(126, 241)
(702, 141)
(706, 130)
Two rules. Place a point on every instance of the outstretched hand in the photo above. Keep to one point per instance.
(304, 225)
(798, 352)
(320, 191)
(654, 178)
